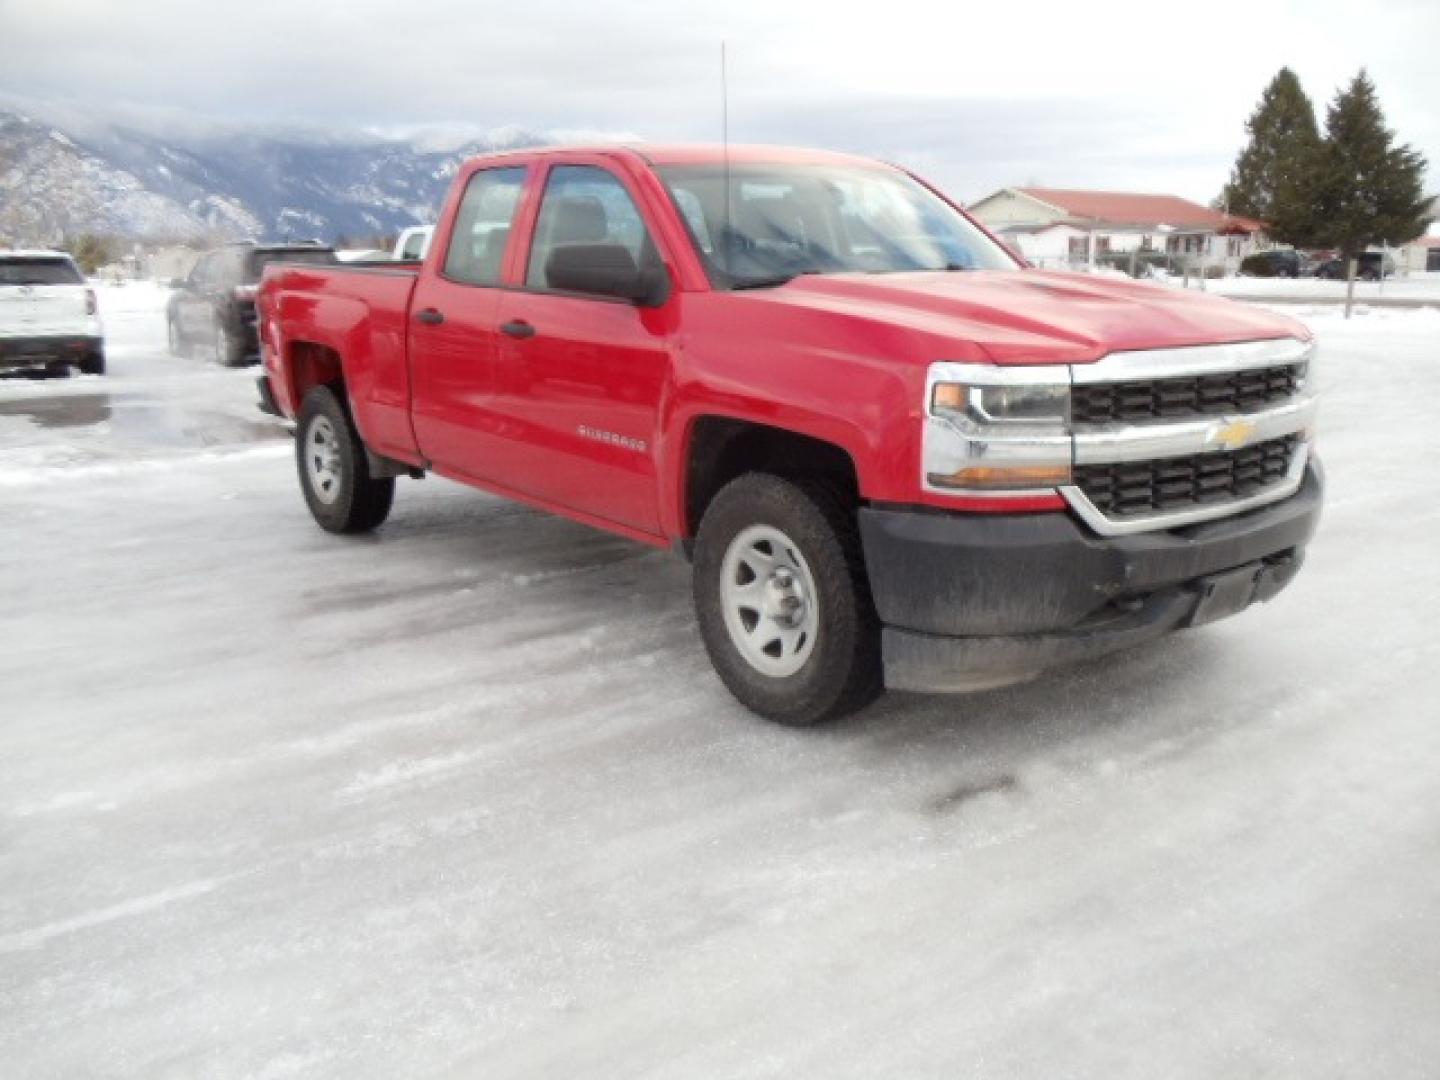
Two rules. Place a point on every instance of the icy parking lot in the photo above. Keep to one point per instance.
(464, 798)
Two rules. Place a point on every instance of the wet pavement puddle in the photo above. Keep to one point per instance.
(139, 418)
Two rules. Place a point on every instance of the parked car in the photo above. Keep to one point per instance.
(412, 244)
(49, 317)
(215, 306)
(1368, 267)
(1281, 262)
(895, 455)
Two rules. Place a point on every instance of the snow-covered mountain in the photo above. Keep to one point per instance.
(59, 178)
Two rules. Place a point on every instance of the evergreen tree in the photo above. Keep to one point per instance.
(1272, 176)
(1368, 190)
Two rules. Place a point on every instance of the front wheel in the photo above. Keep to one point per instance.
(334, 473)
(783, 602)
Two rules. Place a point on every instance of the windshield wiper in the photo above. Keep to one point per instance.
(769, 282)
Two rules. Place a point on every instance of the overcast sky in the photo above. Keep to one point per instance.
(1139, 96)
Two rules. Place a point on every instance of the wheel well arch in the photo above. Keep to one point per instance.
(722, 448)
(309, 365)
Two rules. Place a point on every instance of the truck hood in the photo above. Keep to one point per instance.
(1034, 316)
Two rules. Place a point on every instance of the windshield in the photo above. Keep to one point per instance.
(255, 265)
(787, 220)
(39, 272)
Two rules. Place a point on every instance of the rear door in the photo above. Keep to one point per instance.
(41, 296)
(453, 326)
(579, 378)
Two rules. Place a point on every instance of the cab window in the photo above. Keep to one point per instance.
(482, 226)
(584, 204)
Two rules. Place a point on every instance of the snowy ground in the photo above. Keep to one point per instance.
(1412, 289)
(465, 799)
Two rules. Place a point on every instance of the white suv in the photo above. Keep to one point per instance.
(48, 316)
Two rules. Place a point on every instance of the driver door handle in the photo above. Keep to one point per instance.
(517, 328)
(430, 317)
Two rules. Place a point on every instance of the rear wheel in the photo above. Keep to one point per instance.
(229, 349)
(334, 473)
(783, 602)
(93, 364)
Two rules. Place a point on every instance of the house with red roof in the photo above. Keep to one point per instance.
(1067, 227)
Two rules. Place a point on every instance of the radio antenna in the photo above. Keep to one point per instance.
(725, 157)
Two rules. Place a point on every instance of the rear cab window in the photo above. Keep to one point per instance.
(39, 270)
(476, 255)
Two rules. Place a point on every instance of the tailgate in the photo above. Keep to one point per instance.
(43, 310)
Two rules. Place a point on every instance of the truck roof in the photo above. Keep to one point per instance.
(696, 153)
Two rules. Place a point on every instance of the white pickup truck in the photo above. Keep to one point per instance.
(413, 243)
(48, 314)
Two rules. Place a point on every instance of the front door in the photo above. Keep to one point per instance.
(579, 378)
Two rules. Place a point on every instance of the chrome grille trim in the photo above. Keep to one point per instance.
(1141, 364)
(1151, 440)
(1106, 526)
(1102, 444)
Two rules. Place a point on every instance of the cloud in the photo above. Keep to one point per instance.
(1135, 95)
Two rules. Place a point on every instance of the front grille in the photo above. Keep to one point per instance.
(1127, 489)
(1194, 395)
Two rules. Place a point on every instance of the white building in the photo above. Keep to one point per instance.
(1056, 227)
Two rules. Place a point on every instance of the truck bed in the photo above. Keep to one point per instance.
(356, 310)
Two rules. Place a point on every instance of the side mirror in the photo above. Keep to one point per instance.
(605, 270)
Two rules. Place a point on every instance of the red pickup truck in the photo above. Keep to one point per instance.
(895, 454)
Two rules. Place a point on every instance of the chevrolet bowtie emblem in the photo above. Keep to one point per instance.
(1234, 435)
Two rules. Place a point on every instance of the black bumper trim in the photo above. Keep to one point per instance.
(969, 600)
(965, 575)
(934, 664)
(45, 349)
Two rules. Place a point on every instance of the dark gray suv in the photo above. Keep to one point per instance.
(215, 306)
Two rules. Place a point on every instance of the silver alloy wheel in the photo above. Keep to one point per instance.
(322, 460)
(768, 598)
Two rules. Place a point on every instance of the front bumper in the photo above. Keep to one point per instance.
(46, 350)
(973, 600)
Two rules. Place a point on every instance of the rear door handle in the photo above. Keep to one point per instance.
(517, 328)
(430, 316)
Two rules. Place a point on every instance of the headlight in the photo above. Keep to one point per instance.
(997, 431)
(978, 405)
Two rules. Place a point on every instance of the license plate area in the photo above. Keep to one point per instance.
(1225, 594)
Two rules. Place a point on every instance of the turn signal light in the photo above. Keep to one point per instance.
(993, 478)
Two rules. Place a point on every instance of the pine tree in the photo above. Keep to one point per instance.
(1368, 190)
(1273, 173)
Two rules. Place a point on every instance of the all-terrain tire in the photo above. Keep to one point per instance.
(842, 672)
(334, 473)
(229, 350)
